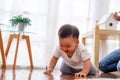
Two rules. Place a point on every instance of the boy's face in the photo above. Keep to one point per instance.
(68, 44)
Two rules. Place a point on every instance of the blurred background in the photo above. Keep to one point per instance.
(47, 16)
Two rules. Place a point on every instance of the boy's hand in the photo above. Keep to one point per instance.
(48, 71)
(80, 75)
(50, 76)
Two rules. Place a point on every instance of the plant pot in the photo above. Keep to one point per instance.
(21, 26)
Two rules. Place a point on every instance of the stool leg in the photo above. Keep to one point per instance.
(16, 52)
(3, 57)
(2, 51)
(29, 50)
(8, 45)
(96, 50)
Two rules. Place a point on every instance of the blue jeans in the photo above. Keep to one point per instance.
(118, 66)
(109, 63)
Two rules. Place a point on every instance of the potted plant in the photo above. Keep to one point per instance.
(20, 21)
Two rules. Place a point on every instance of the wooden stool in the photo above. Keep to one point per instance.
(2, 51)
(97, 35)
(18, 36)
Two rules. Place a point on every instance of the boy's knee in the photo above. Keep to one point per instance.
(92, 70)
(61, 70)
(65, 71)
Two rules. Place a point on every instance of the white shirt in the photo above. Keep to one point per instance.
(76, 61)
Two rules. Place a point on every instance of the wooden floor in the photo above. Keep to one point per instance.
(37, 74)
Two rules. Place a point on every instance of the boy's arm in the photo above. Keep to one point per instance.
(53, 63)
(85, 70)
(86, 66)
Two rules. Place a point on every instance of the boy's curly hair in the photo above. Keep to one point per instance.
(67, 30)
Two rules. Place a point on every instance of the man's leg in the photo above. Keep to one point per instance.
(118, 66)
(109, 63)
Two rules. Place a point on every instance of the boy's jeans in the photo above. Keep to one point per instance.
(109, 63)
(65, 69)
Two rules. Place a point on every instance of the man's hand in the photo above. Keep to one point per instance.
(116, 16)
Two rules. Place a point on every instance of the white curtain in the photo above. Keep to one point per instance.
(47, 16)
(98, 8)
